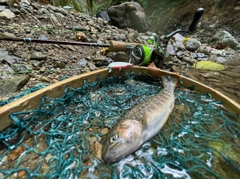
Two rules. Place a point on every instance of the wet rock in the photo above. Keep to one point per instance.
(178, 37)
(10, 59)
(91, 66)
(223, 39)
(80, 36)
(82, 63)
(193, 55)
(5, 71)
(21, 68)
(220, 60)
(37, 64)
(7, 14)
(78, 28)
(2, 8)
(201, 55)
(13, 84)
(3, 54)
(42, 37)
(180, 54)
(121, 57)
(25, 3)
(129, 14)
(38, 56)
(205, 49)
(189, 60)
(103, 15)
(121, 37)
(192, 44)
(170, 50)
(59, 64)
(103, 62)
(54, 20)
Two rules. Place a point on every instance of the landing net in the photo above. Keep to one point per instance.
(61, 138)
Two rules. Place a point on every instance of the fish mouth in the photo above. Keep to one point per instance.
(116, 155)
(110, 157)
(113, 156)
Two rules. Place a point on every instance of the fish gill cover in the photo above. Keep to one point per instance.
(61, 138)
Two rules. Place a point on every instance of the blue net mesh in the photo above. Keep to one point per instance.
(61, 138)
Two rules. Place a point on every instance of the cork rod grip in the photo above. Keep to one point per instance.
(116, 46)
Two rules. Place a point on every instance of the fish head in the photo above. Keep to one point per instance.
(122, 141)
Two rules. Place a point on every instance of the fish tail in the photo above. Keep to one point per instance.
(169, 82)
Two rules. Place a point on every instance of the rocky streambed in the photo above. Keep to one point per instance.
(26, 65)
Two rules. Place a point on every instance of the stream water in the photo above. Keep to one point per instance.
(226, 81)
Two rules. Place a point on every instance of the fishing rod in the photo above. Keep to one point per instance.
(29, 40)
(140, 54)
(113, 45)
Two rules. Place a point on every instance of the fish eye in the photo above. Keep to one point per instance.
(113, 138)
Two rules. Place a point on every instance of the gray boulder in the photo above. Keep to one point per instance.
(13, 84)
(129, 14)
(224, 39)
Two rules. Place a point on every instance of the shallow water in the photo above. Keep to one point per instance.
(226, 81)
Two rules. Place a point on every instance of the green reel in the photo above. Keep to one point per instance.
(141, 55)
(145, 54)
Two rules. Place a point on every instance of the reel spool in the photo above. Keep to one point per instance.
(142, 55)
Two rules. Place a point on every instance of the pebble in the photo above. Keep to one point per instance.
(189, 60)
(38, 56)
(192, 44)
(21, 173)
(180, 54)
(5, 159)
(7, 14)
(104, 131)
(82, 63)
(91, 66)
(170, 50)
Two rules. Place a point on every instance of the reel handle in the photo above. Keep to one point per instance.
(198, 14)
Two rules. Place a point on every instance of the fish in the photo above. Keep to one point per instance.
(140, 123)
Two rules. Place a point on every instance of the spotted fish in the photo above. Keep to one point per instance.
(140, 123)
